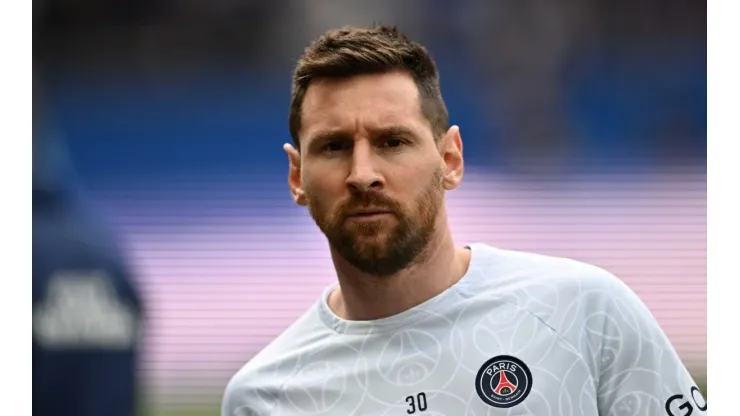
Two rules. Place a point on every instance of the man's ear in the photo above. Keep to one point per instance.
(294, 175)
(451, 150)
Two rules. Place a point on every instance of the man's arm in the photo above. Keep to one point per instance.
(640, 372)
(241, 399)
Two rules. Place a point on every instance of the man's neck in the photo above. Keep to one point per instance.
(363, 297)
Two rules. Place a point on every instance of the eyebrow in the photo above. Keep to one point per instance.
(394, 131)
(331, 135)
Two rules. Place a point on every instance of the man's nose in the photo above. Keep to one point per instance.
(364, 174)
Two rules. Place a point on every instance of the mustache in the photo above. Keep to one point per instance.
(369, 199)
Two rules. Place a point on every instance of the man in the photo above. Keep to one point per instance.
(416, 324)
(86, 307)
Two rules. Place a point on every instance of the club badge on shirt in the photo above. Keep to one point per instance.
(503, 381)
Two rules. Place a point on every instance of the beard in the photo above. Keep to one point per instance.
(376, 247)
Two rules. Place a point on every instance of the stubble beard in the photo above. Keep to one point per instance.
(374, 247)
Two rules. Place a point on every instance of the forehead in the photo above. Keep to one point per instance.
(363, 102)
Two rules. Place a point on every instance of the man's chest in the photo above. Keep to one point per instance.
(482, 364)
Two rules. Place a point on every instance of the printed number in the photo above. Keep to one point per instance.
(417, 403)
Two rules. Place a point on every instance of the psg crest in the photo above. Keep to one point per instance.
(503, 381)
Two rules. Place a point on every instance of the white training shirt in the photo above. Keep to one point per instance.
(519, 334)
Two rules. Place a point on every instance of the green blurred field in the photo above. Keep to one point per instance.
(187, 413)
(215, 411)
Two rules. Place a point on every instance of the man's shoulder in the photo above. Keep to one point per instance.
(509, 271)
(281, 357)
(567, 295)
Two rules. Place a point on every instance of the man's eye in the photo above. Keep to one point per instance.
(391, 143)
(335, 146)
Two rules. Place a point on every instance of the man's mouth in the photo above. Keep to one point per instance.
(365, 214)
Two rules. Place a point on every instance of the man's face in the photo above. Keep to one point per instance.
(370, 171)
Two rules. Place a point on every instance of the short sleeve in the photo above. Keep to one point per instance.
(242, 399)
(640, 372)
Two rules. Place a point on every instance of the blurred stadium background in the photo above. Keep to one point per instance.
(584, 125)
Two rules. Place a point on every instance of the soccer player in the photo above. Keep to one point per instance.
(86, 307)
(417, 324)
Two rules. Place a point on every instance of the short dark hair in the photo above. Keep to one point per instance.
(351, 51)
